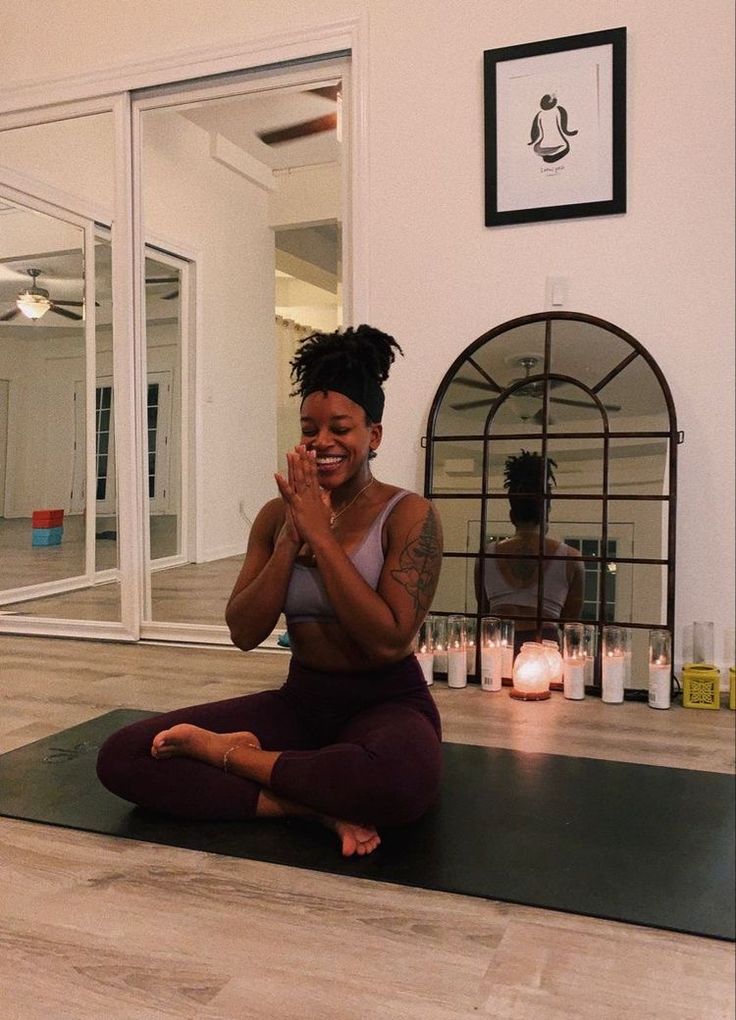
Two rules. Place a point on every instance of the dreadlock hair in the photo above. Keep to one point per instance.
(354, 362)
(527, 476)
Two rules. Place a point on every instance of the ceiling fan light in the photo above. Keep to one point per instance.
(524, 403)
(33, 306)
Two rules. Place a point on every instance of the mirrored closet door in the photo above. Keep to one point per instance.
(58, 488)
(242, 196)
(162, 254)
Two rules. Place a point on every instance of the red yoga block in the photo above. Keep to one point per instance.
(48, 518)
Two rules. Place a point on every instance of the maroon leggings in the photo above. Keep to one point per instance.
(364, 747)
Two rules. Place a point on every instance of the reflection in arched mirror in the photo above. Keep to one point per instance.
(550, 456)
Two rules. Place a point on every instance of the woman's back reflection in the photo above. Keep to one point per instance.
(511, 586)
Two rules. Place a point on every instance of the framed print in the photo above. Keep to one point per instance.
(555, 128)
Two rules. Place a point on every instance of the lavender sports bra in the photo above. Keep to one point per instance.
(306, 598)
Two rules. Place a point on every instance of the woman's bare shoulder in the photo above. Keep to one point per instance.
(416, 515)
(411, 503)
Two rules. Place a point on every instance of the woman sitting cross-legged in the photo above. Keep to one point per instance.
(352, 738)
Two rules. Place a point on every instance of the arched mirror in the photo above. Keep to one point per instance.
(551, 457)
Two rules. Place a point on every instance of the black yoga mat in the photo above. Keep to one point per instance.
(636, 843)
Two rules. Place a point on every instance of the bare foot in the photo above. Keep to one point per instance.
(187, 741)
(356, 839)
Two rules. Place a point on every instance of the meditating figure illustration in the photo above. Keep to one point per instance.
(550, 131)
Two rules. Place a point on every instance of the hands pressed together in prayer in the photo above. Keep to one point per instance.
(307, 503)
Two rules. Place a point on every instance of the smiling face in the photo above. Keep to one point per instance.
(336, 429)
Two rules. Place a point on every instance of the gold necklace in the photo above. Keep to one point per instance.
(334, 516)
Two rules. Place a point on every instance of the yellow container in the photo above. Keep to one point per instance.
(732, 687)
(701, 686)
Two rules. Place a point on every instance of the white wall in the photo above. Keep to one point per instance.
(438, 276)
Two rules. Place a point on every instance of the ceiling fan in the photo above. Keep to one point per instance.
(34, 302)
(305, 128)
(527, 398)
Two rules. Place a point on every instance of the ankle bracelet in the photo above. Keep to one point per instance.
(226, 755)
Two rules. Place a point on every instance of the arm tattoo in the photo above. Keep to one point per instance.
(419, 563)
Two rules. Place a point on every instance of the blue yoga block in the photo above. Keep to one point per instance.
(47, 536)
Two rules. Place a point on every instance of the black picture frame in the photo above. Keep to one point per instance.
(572, 175)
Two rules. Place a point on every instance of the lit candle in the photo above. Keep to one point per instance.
(491, 667)
(613, 668)
(470, 645)
(552, 651)
(425, 651)
(589, 667)
(531, 673)
(457, 663)
(573, 683)
(507, 645)
(660, 668)
(439, 640)
(613, 665)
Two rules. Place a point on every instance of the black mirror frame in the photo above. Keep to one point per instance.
(671, 434)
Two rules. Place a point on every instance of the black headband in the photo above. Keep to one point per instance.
(365, 392)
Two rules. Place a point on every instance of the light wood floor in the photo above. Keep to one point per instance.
(102, 928)
(191, 593)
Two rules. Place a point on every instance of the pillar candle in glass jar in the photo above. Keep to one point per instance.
(491, 664)
(439, 637)
(457, 663)
(507, 646)
(613, 665)
(470, 644)
(660, 668)
(590, 642)
(425, 650)
(531, 673)
(573, 661)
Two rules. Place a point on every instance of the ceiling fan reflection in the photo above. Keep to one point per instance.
(34, 302)
(305, 128)
(525, 399)
(152, 280)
